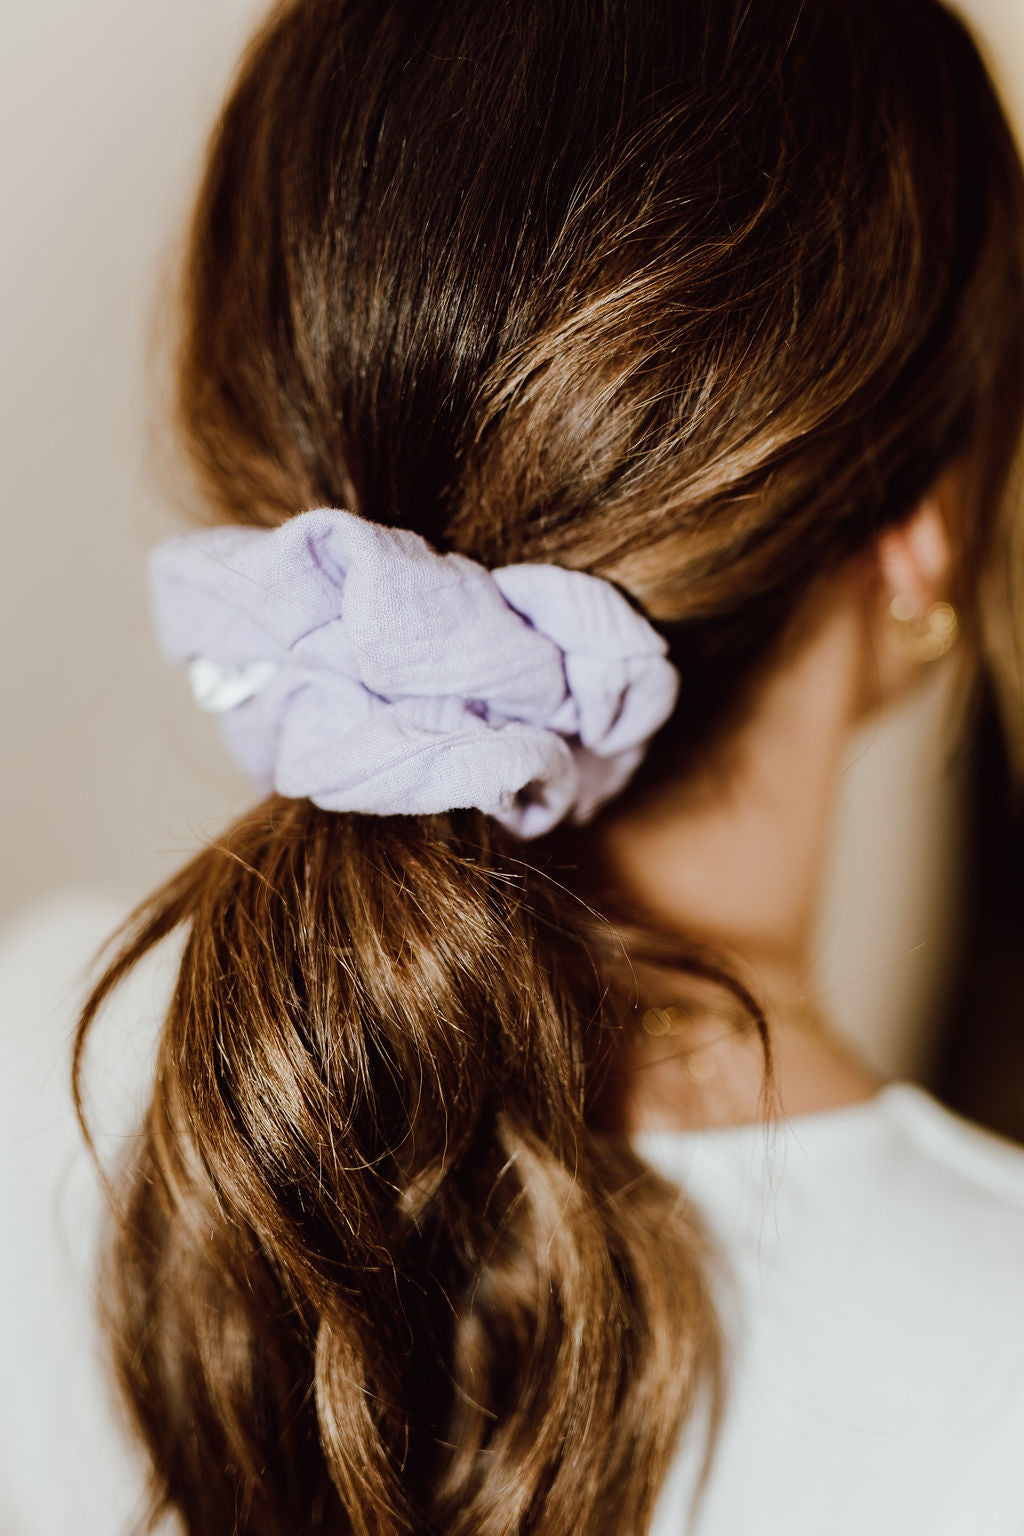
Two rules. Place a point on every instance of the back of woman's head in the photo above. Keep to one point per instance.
(698, 298)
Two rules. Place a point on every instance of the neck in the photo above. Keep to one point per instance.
(735, 860)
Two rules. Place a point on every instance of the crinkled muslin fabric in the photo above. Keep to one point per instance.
(355, 665)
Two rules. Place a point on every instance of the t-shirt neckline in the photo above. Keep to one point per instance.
(811, 1126)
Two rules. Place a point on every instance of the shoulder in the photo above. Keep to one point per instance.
(45, 953)
(948, 1193)
(951, 1228)
(49, 953)
(923, 1255)
(50, 956)
(46, 958)
(985, 1169)
(875, 1264)
(922, 1213)
(64, 1461)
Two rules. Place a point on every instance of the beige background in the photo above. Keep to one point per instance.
(109, 776)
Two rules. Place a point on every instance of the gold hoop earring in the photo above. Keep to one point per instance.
(929, 637)
(699, 1060)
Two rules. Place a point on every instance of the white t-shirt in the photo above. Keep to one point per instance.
(874, 1311)
(870, 1282)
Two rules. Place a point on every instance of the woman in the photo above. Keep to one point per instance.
(500, 1172)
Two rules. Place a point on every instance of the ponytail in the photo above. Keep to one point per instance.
(374, 1262)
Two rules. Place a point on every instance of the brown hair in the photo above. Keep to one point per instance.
(696, 297)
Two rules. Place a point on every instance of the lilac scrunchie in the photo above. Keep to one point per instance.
(354, 665)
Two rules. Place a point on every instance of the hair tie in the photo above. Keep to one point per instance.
(353, 665)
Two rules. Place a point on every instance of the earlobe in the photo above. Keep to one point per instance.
(915, 621)
(929, 636)
(914, 560)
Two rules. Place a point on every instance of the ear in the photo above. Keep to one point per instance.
(914, 560)
(913, 621)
